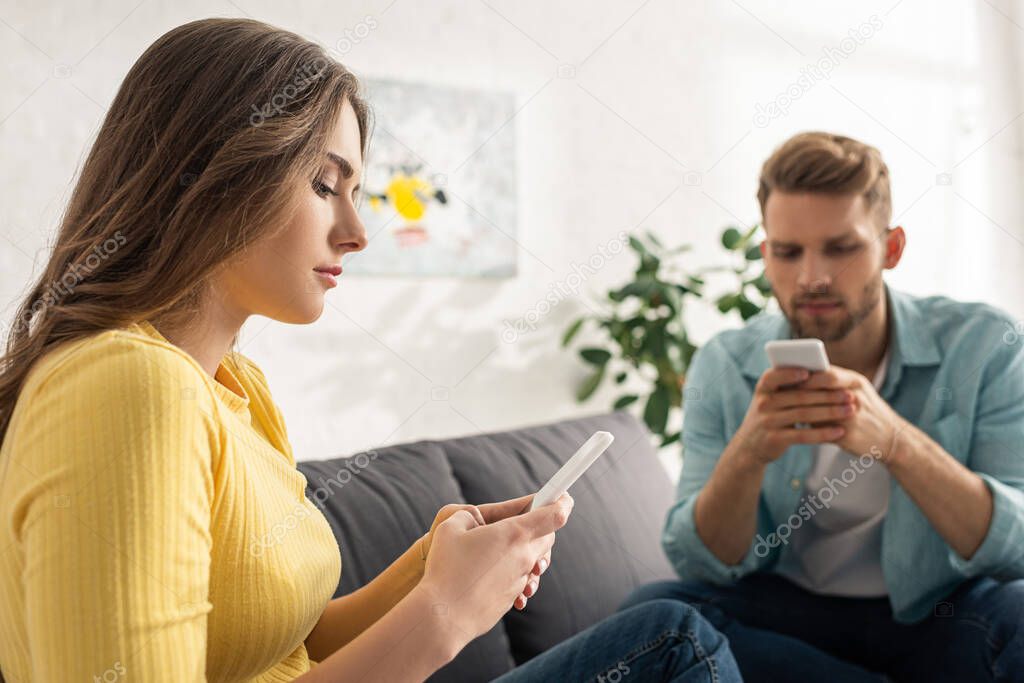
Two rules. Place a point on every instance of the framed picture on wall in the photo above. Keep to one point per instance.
(440, 184)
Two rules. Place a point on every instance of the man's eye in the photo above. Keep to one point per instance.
(787, 255)
(846, 248)
(321, 188)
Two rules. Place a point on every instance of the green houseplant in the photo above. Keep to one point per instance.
(644, 335)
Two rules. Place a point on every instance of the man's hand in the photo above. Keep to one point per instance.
(784, 398)
(873, 426)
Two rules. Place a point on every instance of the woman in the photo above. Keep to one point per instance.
(144, 462)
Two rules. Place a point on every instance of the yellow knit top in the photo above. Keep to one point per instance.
(153, 525)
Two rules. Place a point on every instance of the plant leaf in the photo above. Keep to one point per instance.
(656, 410)
(670, 439)
(571, 332)
(762, 284)
(754, 252)
(638, 246)
(624, 401)
(590, 385)
(727, 302)
(748, 309)
(731, 238)
(595, 356)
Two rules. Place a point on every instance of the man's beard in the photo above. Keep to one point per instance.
(835, 328)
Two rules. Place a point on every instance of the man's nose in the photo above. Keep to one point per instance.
(814, 275)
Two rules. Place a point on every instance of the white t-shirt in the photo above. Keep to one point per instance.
(838, 550)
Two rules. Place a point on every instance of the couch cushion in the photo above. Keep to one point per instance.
(612, 541)
(378, 503)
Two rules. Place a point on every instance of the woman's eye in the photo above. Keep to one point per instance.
(321, 188)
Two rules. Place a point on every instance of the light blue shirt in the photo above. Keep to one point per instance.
(956, 371)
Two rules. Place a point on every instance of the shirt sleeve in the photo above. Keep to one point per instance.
(994, 454)
(704, 438)
(115, 445)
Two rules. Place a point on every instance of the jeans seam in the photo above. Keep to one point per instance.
(703, 656)
(652, 645)
(995, 646)
(644, 649)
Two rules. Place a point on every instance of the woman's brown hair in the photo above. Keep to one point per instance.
(212, 134)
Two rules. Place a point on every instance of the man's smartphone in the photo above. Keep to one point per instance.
(808, 354)
(797, 353)
(572, 470)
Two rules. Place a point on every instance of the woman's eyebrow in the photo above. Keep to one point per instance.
(346, 168)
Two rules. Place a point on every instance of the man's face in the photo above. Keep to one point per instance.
(824, 256)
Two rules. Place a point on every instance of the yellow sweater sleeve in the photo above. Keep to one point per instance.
(116, 448)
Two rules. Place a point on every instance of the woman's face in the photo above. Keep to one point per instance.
(277, 276)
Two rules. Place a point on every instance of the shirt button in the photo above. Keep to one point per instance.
(794, 483)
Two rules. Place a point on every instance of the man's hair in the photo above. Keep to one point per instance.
(826, 163)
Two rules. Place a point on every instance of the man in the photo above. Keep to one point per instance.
(866, 520)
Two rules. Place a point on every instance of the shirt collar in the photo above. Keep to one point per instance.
(226, 383)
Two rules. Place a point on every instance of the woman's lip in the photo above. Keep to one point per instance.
(333, 270)
(328, 277)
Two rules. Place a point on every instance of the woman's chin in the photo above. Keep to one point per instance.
(308, 313)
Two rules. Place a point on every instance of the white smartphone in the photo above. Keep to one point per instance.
(572, 470)
(797, 353)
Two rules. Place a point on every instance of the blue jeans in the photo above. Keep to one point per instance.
(661, 640)
(780, 632)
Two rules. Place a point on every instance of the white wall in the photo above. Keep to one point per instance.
(654, 128)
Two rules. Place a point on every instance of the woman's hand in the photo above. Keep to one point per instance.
(443, 514)
(475, 573)
(487, 514)
(492, 512)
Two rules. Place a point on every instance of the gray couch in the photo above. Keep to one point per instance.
(379, 502)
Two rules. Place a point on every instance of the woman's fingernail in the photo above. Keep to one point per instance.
(543, 565)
